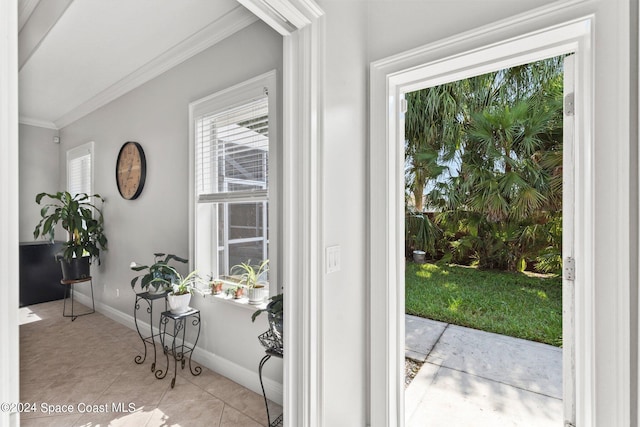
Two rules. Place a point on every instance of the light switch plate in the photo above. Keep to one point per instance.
(332, 259)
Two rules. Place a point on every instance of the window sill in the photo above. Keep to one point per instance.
(239, 302)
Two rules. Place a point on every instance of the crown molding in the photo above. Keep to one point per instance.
(25, 9)
(232, 22)
(284, 16)
(30, 121)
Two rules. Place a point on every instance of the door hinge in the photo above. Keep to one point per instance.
(569, 104)
(569, 267)
(569, 424)
(403, 105)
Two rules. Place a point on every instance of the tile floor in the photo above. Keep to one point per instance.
(89, 364)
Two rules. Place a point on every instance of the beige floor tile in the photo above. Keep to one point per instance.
(183, 391)
(216, 384)
(91, 361)
(205, 412)
(53, 421)
(138, 418)
(141, 388)
(249, 403)
(234, 418)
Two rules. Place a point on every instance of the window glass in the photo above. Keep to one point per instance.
(231, 146)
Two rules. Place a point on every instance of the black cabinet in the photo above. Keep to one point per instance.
(40, 273)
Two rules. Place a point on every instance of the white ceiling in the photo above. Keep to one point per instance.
(77, 55)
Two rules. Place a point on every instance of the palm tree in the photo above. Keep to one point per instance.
(504, 128)
(432, 132)
(510, 175)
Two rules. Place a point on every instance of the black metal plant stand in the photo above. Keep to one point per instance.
(178, 349)
(273, 347)
(68, 293)
(149, 299)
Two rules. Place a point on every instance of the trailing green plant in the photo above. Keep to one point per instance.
(250, 274)
(80, 217)
(275, 307)
(159, 274)
(187, 284)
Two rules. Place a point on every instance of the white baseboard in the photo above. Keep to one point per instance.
(239, 374)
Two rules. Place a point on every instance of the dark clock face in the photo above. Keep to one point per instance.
(131, 170)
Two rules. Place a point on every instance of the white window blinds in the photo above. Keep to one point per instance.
(79, 169)
(232, 153)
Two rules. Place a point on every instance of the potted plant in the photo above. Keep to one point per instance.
(253, 277)
(181, 292)
(159, 276)
(82, 219)
(275, 315)
(236, 292)
(216, 285)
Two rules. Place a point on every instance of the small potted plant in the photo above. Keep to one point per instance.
(253, 277)
(159, 275)
(275, 315)
(216, 285)
(180, 295)
(81, 217)
(236, 292)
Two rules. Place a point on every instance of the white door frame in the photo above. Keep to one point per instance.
(549, 32)
(301, 25)
(9, 262)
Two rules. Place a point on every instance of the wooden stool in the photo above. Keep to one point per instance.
(69, 290)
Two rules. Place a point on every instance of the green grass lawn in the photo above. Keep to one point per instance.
(506, 303)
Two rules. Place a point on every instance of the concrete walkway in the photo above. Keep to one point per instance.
(476, 378)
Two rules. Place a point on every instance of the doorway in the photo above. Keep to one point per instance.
(487, 51)
(484, 206)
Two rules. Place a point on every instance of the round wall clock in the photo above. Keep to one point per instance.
(131, 170)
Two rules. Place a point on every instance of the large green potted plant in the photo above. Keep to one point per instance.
(81, 217)
(158, 276)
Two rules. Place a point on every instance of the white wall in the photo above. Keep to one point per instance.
(39, 171)
(344, 213)
(156, 116)
(359, 32)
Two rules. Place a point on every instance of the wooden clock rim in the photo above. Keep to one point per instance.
(143, 170)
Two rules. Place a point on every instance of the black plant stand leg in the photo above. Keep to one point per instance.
(138, 359)
(178, 326)
(149, 299)
(273, 347)
(178, 349)
(162, 329)
(266, 403)
(196, 322)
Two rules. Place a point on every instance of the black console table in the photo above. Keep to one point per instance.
(273, 347)
(178, 348)
(40, 273)
(149, 299)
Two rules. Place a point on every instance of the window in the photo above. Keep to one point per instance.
(80, 169)
(232, 148)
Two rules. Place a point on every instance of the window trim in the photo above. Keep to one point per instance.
(234, 96)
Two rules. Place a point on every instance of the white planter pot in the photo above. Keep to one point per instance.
(257, 295)
(178, 303)
(156, 290)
